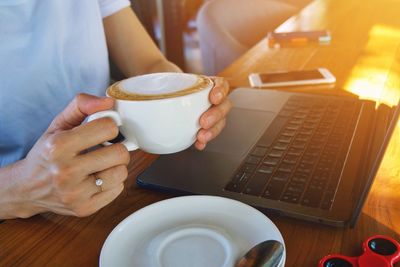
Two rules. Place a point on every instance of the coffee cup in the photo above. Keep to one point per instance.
(158, 113)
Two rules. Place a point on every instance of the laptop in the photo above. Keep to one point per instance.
(307, 156)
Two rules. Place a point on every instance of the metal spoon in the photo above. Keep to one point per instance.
(265, 254)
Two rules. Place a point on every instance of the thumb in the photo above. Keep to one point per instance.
(78, 109)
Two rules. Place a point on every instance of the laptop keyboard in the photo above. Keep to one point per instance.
(300, 157)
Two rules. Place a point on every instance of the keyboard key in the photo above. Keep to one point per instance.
(317, 145)
(306, 131)
(290, 159)
(241, 177)
(312, 197)
(281, 146)
(304, 168)
(256, 184)
(332, 145)
(322, 168)
(292, 127)
(298, 144)
(281, 176)
(327, 201)
(309, 159)
(274, 190)
(248, 168)
(307, 125)
(296, 121)
(319, 137)
(300, 115)
(294, 187)
(313, 120)
(291, 198)
(339, 130)
(276, 153)
(266, 169)
(312, 152)
(286, 167)
(322, 132)
(238, 182)
(234, 187)
(285, 139)
(288, 133)
(259, 151)
(321, 176)
(326, 157)
(253, 160)
(317, 184)
(302, 138)
(272, 131)
(295, 152)
(300, 177)
(271, 161)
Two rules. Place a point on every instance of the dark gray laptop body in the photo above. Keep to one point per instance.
(257, 115)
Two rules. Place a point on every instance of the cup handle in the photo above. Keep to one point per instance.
(112, 114)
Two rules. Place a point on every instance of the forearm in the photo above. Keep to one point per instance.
(131, 48)
(163, 66)
(10, 206)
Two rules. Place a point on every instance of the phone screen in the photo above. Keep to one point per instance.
(291, 76)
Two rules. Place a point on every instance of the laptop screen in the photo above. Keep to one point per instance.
(387, 119)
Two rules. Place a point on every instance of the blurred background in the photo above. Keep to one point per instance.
(199, 43)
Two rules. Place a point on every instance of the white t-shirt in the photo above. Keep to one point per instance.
(50, 50)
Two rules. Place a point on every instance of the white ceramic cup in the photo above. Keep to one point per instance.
(160, 126)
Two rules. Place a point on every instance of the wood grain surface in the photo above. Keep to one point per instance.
(364, 57)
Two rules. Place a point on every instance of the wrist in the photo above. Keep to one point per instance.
(12, 200)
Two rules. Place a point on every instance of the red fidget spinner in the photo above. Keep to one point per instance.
(379, 251)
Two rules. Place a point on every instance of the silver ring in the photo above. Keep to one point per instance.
(99, 182)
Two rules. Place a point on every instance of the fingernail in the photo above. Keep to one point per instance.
(202, 146)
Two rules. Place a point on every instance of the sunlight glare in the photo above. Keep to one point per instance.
(376, 75)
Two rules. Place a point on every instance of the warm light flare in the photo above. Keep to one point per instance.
(376, 75)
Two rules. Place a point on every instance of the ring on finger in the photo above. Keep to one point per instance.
(98, 182)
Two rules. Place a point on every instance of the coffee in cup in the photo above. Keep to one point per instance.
(158, 86)
(159, 112)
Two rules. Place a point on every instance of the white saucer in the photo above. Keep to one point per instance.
(195, 231)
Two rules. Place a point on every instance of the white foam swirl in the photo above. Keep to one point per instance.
(158, 83)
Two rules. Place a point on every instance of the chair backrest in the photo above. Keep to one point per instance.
(228, 28)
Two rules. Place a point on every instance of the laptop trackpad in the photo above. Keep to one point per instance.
(243, 128)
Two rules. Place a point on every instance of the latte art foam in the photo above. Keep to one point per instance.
(158, 86)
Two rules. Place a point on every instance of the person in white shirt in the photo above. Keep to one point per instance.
(54, 70)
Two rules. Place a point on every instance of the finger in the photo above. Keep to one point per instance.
(111, 178)
(205, 136)
(73, 197)
(80, 107)
(98, 201)
(219, 91)
(63, 211)
(100, 159)
(90, 134)
(215, 114)
(199, 145)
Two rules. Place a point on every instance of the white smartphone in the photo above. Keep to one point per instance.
(292, 78)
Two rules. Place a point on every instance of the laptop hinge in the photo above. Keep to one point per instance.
(378, 130)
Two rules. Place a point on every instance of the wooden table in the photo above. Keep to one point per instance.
(366, 35)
